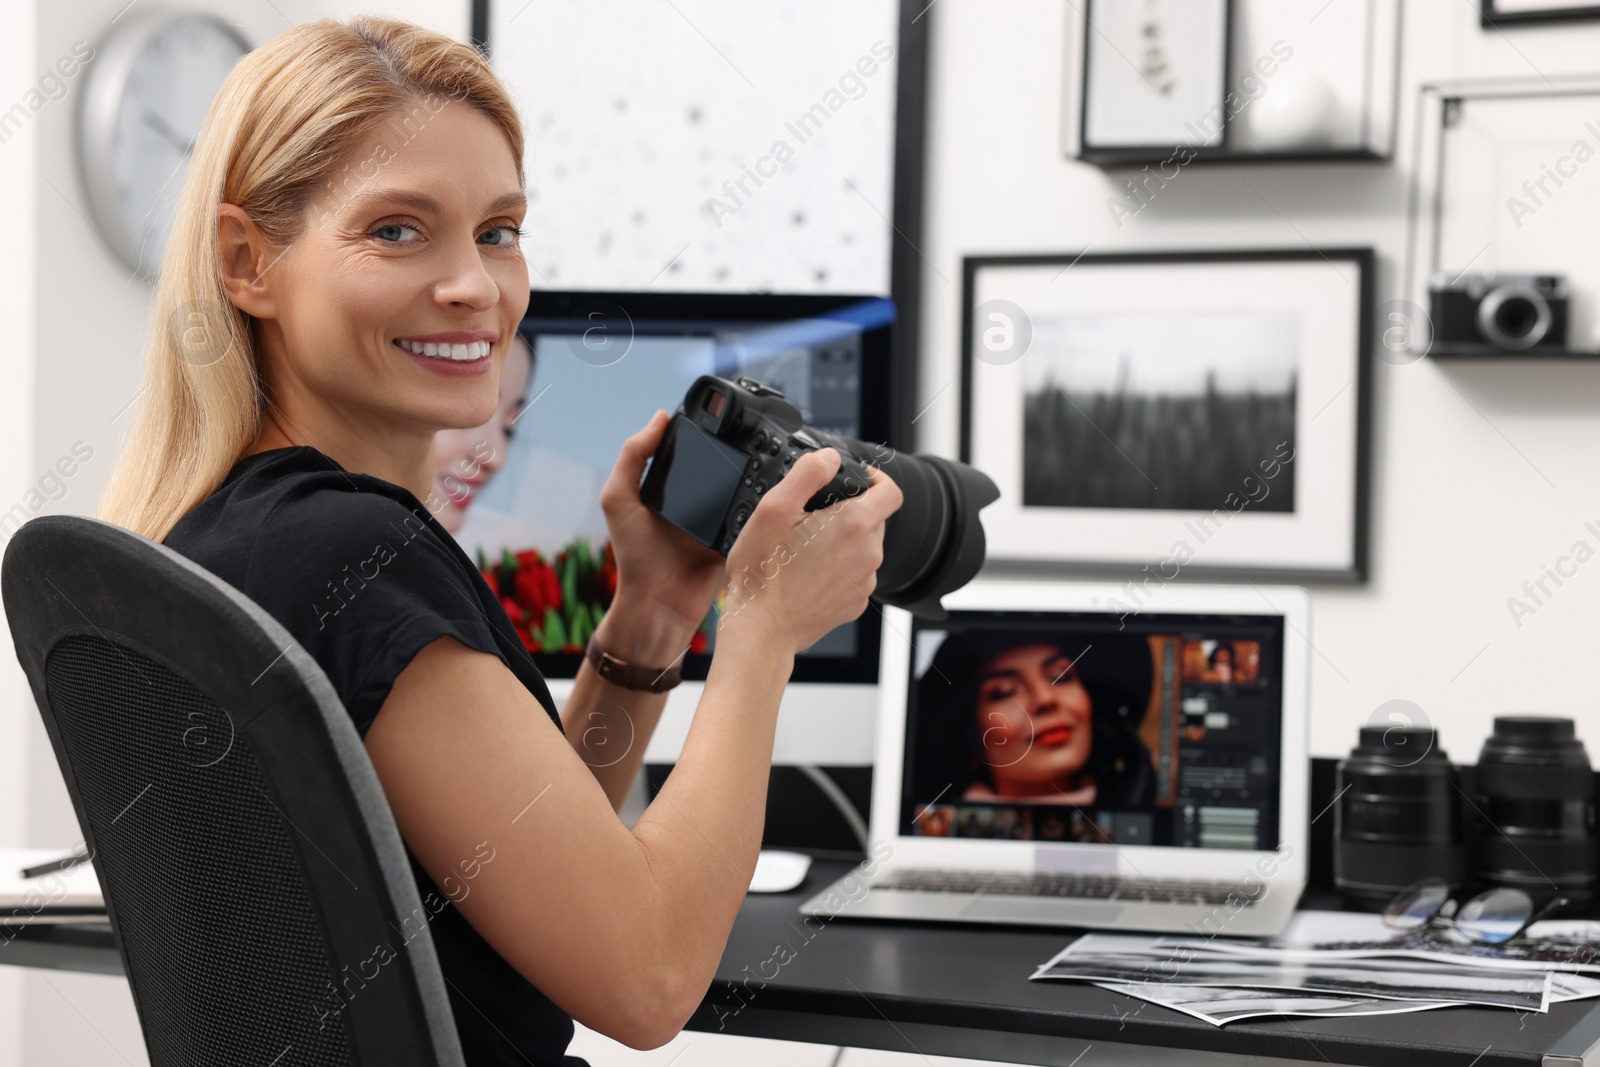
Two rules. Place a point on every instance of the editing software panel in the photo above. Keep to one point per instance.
(1051, 726)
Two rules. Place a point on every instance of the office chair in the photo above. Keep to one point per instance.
(262, 900)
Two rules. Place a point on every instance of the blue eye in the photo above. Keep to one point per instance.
(516, 233)
(392, 226)
(389, 233)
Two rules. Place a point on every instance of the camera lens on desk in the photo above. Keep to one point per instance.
(1396, 821)
(1535, 820)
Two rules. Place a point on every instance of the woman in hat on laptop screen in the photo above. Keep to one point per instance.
(1033, 719)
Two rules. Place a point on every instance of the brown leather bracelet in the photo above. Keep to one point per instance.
(626, 675)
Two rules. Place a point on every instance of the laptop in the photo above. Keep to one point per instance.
(1067, 754)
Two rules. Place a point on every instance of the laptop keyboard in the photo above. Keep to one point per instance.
(1061, 884)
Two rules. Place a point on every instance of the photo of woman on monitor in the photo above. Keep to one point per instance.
(1033, 719)
(465, 460)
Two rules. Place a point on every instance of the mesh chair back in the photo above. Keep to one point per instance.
(263, 904)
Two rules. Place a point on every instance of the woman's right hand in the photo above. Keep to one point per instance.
(794, 575)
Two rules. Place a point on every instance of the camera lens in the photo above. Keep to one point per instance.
(1514, 317)
(934, 544)
(1535, 818)
(1396, 822)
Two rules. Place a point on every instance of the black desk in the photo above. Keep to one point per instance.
(87, 947)
(941, 989)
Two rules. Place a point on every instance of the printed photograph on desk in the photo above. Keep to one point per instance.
(1172, 412)
(1142, 736)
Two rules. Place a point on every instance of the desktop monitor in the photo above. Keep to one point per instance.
(601, 364)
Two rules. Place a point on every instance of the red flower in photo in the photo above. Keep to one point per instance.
(514, 611)
(537, 586)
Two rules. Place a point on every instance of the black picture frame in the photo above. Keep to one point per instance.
(1087, 148)
(1352, 571)
(906, 215)
(1493, 19)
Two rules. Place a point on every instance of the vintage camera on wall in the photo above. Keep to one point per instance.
(734, 440)
(1488, 314)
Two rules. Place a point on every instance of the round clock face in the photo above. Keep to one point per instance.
(139, 134)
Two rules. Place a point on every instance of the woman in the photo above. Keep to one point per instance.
(465, 460)
(1013, 719)
(1221, 663)
(349, 231)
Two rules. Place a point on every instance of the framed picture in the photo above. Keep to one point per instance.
(1155, 73)
(1502, 12)
(1193, 412)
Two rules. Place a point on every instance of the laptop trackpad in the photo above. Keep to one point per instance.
(1040, 911)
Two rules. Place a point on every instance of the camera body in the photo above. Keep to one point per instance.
(734, 440)
(1493, 314)
(731, 443)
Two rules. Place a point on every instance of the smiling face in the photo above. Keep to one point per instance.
(1033, 715)
(391, 314)
(465, 460)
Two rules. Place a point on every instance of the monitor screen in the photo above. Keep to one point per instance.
(596, 367)
(1086, 727)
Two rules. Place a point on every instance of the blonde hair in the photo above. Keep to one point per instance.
(285, 119)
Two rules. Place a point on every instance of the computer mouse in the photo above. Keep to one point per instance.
(778, 870)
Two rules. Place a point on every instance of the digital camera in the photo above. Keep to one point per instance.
(1488, 314)
(734, 440)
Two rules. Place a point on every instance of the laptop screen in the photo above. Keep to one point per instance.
(1093, 727)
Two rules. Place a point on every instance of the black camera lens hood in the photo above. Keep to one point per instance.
(969, 491)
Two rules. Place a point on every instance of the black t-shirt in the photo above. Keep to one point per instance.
(363, 576)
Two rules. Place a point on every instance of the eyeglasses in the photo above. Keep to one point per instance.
(1490, 918)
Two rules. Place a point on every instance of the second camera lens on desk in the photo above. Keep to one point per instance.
(1535, 811)
(1395, 820)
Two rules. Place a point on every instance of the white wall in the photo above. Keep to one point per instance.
(18, 155)
(1481, 474)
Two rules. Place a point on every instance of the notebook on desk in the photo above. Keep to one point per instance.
(1066, 754)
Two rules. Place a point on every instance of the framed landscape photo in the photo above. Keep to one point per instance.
(1194, 412)
(1155, 74)
(1500, 12)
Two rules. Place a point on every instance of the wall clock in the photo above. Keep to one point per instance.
(145, 97)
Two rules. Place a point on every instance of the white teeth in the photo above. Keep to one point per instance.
(463, 353)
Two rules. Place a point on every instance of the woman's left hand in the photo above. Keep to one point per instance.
(666, 580)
